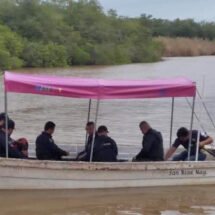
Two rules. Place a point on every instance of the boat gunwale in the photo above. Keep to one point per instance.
(97, 166)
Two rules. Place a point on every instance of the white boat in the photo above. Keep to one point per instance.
(35, 174)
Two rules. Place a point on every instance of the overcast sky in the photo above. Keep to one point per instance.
(168, 9)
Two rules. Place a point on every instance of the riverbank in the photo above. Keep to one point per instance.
(82, 33)
(181, 47)
(165, 47)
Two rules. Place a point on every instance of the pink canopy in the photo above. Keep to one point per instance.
(97, 88)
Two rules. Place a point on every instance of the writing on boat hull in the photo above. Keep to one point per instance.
(187, 172)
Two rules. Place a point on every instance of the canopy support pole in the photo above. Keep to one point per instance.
(197, 146)
(94, 134)
(196, 117)
(191, 127)
(171, 123)
(200, 116)
(6, 123)
(88, 118)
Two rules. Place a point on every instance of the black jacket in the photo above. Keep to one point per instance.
(105, 149)
(12, 152)
(203, 136)
(46, 149)
(152, 147)
(85, 154)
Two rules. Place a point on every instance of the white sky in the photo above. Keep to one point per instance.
(199, 10)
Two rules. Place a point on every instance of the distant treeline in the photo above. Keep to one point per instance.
(179, 28)
(56, 33)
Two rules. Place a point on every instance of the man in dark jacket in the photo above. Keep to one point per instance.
(183, 136)
(105, 148)
(46, 149)
(152, 144)
(13, 152)
(85, 154)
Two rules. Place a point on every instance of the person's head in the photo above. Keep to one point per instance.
(49, 127)
(2, 119)
(102, 130)
(10, 126)
(22, 145)
(90, 126)
(183, 134)
(144, 127)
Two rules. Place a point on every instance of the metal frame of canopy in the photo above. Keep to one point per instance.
(96, 117)
(171, 125)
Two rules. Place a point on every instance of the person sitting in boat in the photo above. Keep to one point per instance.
(84, 155)
(105, 148)
(21, 144)
(183, 135)
(46, 149)
(13, 151)
(152, 144)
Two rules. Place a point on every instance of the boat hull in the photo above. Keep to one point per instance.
(34, 174)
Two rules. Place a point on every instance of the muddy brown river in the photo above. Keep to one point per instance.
(147, 201)
(122, 118)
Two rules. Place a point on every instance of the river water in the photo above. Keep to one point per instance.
(122, 118)
(147, 201)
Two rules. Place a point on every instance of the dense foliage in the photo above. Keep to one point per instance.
(36, 33)
(180, 28)
(51, 33)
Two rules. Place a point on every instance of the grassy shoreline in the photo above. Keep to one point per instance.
(184, 47)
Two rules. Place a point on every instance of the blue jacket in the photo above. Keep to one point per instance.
(105, 149)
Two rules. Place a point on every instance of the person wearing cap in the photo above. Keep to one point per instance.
(183, 135)
(105, 148)
(85, 154)
(13, 152)
(152, 144)
(46, 149)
